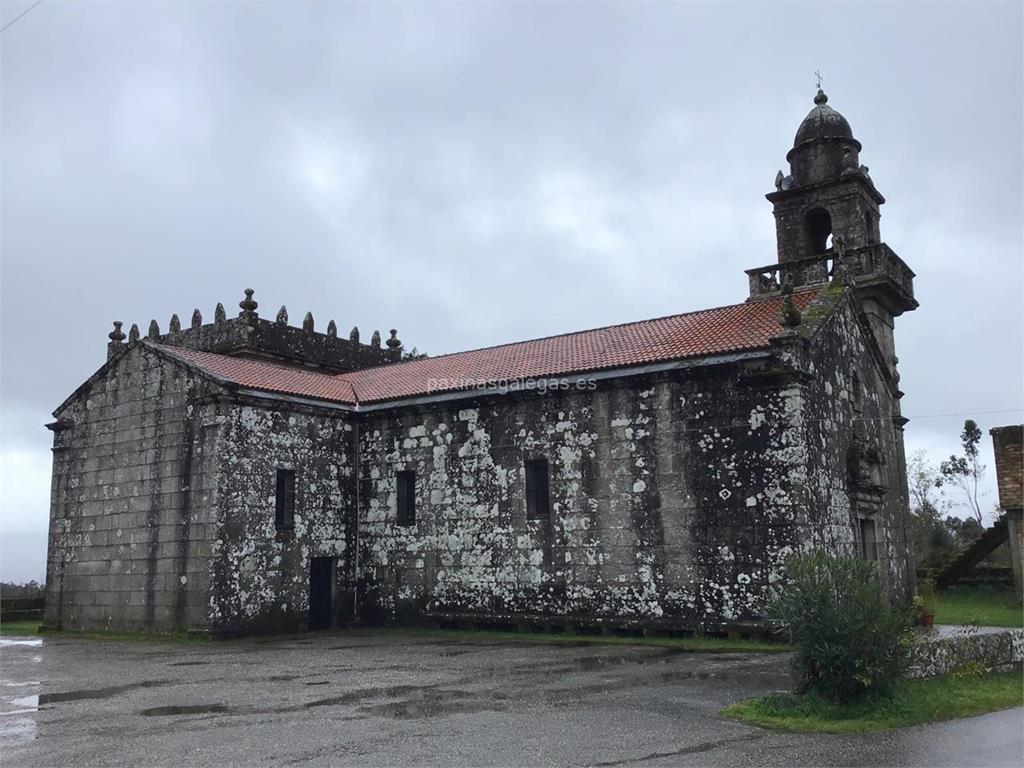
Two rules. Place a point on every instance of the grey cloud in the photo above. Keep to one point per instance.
(480, 173)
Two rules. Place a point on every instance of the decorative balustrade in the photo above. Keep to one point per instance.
(871, 264)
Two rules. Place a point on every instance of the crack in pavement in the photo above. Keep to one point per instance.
(705, 746)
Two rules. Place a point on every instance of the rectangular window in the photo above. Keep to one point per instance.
(868, 545)
(284, 509)
(406, 498)
(538, 503)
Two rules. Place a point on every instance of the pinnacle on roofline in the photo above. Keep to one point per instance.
(248, 307)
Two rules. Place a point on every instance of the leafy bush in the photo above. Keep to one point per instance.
(926, 591)
(849, 641)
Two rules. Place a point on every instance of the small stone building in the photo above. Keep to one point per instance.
(1008, 447)
(247, 475)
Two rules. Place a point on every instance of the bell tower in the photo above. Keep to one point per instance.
(827, 223)
(827, 193)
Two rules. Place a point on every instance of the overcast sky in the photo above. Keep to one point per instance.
(479, 173)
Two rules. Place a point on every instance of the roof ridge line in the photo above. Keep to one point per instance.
(171, 349)
(560, 335)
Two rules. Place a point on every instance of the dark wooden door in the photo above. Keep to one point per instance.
(321, 583)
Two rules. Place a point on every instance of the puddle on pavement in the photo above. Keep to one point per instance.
(184, 709)
(17, 729)
(593, 662)
(29, 641)
(690, 675)
(188, 663)
(662, 657)
(19, 724)
(417, 702)
(96, 693)
(26, 703)
(361, 694)
(436, 704)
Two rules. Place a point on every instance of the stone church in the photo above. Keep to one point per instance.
(247, 475)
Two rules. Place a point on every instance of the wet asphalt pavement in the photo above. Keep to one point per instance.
(391, 700)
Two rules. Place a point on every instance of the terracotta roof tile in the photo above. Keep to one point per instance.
(267, 376)
(704, 333)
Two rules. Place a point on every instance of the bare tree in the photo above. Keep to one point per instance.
(966, 471)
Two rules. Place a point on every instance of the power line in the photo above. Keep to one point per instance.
(8, 24)
(968, 413)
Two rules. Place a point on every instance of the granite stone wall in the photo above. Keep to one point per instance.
(675, 498)
(966, 650)
(133, 499)
(856, 467)
(259, 574)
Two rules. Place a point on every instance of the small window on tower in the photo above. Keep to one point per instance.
(284, 509)
(406, 513)
(538, 503)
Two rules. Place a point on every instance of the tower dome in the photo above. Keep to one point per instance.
(823, 122)
(824, 147)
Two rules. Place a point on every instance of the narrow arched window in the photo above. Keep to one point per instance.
(818, 226)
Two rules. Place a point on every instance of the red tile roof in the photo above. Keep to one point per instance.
(733, 328)
(267, 376)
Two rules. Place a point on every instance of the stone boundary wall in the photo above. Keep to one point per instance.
(966, 649)
(21, 608)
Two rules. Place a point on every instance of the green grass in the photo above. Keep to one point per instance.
(20, 628)
(917, 701)
(985, 607)
(25, 628)
(132, 637)
(695, 644)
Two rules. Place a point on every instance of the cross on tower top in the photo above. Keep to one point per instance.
(817, 75)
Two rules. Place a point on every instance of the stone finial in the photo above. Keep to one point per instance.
(778, 179)
(841, 270)
(394, 346)
(839, 246)
(789, 315)
(116, 335)
(375, 340)
(332, 329)
(219, 315)
(175, 325)
(820, 98)
(282, 315)
(307, 322)
(154, 330)
(133, 332)
(248, 305)
(353, 335)
(197, 318)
